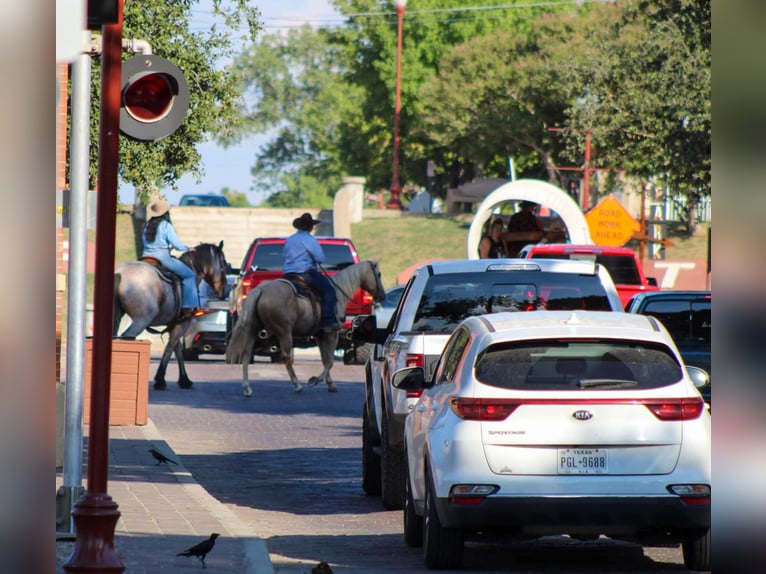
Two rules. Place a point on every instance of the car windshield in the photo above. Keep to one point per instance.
(268, 257)
(451, 297)
(602, 364)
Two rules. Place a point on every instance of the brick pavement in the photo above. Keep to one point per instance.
(164, 511)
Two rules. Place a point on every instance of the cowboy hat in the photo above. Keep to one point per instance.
(305, 222)
(526, 203)
(157, 208)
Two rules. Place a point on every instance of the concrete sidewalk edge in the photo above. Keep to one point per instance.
(256, 551)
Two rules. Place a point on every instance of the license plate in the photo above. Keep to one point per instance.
(583, 461)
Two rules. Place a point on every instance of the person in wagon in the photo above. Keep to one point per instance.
(492, 246)
(302, 255)
(160, 238)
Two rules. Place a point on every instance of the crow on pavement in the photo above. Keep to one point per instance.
(200, 550)
(321, 568)
(159, 457)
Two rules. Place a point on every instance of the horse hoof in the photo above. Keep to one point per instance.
(248, 394)
(298, 389)
(331, 388)
(160, 386)
(185, 385)
(313, 381)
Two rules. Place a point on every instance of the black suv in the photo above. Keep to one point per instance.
(686, 315)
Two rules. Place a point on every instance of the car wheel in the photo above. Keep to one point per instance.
(413, 524)
(695, 547)
(442, 547)
(391, 472)
(370, 459)
(190, 354)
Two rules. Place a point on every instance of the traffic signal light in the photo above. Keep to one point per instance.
(155, 98)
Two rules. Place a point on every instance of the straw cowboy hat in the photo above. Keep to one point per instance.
(305, 222)
(157, 208)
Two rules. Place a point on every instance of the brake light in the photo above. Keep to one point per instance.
(415, 360)
(677, 409)
(482, 409)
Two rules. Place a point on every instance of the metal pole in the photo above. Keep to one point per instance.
(586, 175)
(95, 514)
(396, 188)
(78, 255)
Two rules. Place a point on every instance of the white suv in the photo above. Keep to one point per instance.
(551, 423)
(437, 297)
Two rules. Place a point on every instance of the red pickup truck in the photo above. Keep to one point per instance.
(263, 262)
(621, 262)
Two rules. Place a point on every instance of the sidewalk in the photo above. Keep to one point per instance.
(164, 511)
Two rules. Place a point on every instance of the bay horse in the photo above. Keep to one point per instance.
(151, 298)
(274, 309)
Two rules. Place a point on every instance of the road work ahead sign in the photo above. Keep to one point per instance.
(610, 224)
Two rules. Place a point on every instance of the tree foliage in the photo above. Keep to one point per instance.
(479, 85)
(214, 97)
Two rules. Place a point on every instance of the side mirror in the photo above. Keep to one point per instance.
(652, 281)
(699, 377)
(409, 379)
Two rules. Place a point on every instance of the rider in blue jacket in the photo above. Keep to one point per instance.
(302, 254)
(160, 237)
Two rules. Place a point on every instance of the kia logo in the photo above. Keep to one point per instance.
(582, 415)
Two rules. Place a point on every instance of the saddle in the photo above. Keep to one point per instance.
(169, 277)
(305, 291)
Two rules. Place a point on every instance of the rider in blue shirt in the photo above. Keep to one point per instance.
(159, 238)
(302, 254)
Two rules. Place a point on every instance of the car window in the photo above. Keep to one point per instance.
(685, 320)
(450, 358)
(451, 297)
(268, 257)
(577, 364)
(621, 268)
(336, 256)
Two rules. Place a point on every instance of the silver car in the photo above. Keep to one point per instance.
(207, 331)
(574, 423)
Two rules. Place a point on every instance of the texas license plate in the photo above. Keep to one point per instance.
(583, 461)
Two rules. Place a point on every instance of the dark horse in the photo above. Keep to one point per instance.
(274, 309)
(150, 298)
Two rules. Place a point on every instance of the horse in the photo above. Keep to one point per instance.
(274, 309)
(150, 298)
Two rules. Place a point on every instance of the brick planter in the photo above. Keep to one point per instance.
(129, 392)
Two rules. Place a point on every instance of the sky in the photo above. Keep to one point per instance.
(231, 167)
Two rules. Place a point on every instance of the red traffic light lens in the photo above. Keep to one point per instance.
(148, 98)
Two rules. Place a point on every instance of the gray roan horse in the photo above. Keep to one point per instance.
(149, 298)
(273, 308)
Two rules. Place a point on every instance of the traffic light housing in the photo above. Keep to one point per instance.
(101, 12)
(154, 98)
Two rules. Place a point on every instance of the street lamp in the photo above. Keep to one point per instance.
(396, 188)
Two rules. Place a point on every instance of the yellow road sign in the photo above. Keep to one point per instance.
(610, 223)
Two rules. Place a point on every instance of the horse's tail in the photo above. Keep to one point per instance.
(246, 325)
(117, 311)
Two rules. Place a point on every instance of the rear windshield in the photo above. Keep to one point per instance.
(578, 365)
(451, 297)
(268, 257)
(622, 268)
(687, 321)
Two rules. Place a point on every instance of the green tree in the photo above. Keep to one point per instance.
(235, 198)
(641, 85)
(214, 97)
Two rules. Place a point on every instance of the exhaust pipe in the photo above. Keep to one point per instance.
(347, 335)
(273, 349)
(207, 348)
(263, 334)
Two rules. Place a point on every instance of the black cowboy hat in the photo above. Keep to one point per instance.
(305, 222)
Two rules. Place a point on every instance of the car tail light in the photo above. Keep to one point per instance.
(415, 360)
(677, 409)
(482, 409)
(696, 494)
(471, 494)
(366, 298)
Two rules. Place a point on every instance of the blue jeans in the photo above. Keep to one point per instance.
(329, 297)
(187, 275)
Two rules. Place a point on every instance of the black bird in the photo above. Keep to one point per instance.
(200, 550)
(159, 457)
(321, 568)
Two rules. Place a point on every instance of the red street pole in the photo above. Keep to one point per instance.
(95, 515)
(396, 188)
(586, 175)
